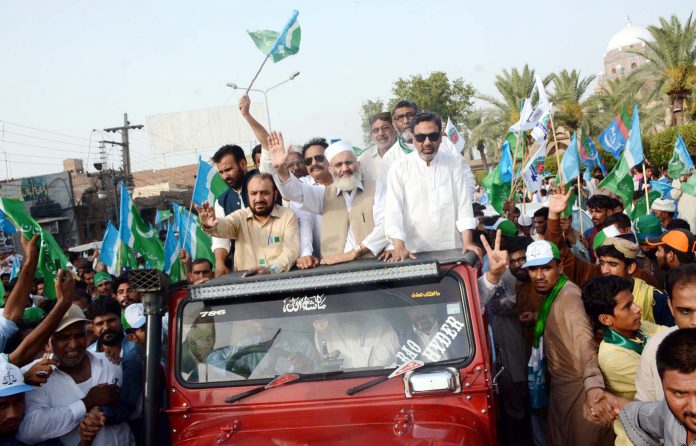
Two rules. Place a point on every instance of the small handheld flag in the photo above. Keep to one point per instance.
(209, 184)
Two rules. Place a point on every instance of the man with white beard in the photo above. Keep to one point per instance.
(351, 222)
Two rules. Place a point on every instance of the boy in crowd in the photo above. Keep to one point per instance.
(610, 306)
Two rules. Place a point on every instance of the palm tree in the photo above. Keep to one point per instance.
(671, 67)
(601, 108)
(487, 126)
(514, 86)
(567, 97)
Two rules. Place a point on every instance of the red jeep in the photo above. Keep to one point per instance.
(365, 353)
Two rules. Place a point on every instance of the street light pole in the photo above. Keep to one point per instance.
(265, 93)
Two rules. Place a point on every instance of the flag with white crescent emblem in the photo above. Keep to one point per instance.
(138, 235)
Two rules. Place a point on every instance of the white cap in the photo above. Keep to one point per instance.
(134, 314)
(524, 220)
(336, 148)
(540, 253)
(662, 204)
(11, 380)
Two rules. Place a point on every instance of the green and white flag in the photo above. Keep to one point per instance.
(49, 251)
(191, 236)
(279, 45)
(138, 235)
(620, 181)
(209, 184)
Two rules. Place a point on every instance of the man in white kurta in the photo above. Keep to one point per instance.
(428, 205)
(402, 114)
(56, 409)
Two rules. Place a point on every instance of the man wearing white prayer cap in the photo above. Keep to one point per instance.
(664, 210)
(352, 220)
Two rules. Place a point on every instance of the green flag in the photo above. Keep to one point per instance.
(511, 138)
(138, 235)
(498, 191)
(620, 181)
(639, 208)
(127, 258)
(49, 250)
(2, 294)
(690, 186)
(279, 45)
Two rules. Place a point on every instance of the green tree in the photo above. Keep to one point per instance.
(369, 108)
(659, 147)
(514, 86)
(567, 96)
(487, 126)
(602, 107)
(435, 93)
(672, 64)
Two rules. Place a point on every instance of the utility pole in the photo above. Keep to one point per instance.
(125, 146)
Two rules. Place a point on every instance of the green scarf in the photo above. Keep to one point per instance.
(546, 308)
(404, 146)
(612, 337)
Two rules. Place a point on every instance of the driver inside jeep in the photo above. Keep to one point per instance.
(265, 351)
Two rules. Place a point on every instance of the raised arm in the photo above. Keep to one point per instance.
(19, 296)
(37, 339)
(259, 130)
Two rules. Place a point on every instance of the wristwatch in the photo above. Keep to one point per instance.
(359, 250)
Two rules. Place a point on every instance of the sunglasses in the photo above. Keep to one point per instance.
(317, 158)
(433, 137)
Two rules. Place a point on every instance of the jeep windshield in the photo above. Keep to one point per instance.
(363, 329)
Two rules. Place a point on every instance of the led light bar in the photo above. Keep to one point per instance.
(292, 284)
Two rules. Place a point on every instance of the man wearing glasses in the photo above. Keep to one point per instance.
(384, 136)
(402, 114)
(428, 203)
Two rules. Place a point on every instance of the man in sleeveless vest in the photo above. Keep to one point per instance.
(351, 219)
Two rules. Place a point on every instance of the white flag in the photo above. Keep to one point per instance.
(533, 171)
(525, 114)
(454, 136)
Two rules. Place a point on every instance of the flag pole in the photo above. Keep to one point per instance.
(645, 189)
(514, 161)
(257, 74)
(555, 143)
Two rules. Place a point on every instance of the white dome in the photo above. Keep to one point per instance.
(630, 35)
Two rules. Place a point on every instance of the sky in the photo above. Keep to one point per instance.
(69, 67)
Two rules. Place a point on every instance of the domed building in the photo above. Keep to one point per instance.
(618, 62)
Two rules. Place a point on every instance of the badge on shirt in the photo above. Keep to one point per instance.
(262, 262)
(272, 240)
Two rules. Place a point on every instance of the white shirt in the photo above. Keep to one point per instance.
(427, 206)
(311, 199)
(648, 382)
(371, 164)
(55, 409)
(396, 152)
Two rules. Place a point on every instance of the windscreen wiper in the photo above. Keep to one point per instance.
(281, 380)
(403, 368)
